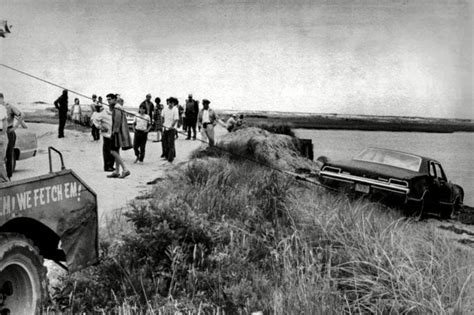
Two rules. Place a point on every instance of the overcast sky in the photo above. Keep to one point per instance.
(386, 57)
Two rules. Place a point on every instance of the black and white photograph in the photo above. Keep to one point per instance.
(236, 157)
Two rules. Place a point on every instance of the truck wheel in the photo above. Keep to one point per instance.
(23, 282)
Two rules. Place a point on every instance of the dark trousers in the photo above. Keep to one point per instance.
(62, 123)
(139, 144)
(95, 133)
(10, 151)
(191, 124)
(185, 124)
(169, 151)
(108, 157)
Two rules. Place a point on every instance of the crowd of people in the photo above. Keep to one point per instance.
(110, 121)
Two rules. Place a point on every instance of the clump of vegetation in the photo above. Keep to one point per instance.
(225, 235)
(282, 129)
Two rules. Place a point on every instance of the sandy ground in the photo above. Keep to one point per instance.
(84, 157)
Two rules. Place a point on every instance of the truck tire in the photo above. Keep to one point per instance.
(23, 281)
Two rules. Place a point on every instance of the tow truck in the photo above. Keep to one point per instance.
(52, 216)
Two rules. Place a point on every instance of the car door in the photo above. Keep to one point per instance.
(440, 187)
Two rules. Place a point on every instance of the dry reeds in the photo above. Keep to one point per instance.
(225, 236)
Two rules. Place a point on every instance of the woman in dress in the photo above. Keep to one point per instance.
(76, 111)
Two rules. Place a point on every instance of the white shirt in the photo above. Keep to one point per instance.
(205, 116)
(104, 119)
(141, 122)
(169, 116)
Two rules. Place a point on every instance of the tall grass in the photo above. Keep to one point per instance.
(226, 236)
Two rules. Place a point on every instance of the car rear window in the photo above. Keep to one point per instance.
(391, 158)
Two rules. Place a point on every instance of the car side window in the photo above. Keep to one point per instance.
(439, 172)
(436, 171)
(432, 170)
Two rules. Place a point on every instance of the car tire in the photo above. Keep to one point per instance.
(426, 205)
(449, 212)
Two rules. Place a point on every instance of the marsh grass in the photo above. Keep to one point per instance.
(225, 236)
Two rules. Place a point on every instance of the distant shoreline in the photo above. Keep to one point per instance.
(359, 122)
(323, 121)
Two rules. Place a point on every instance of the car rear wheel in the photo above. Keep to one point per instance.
(426, 205)
(23, 282)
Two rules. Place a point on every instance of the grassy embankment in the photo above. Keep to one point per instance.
(221, 234)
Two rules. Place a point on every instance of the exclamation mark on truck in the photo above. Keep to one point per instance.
(79, 189)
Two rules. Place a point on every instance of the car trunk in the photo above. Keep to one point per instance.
(373, 170)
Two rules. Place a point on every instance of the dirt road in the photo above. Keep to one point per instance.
(85, 157)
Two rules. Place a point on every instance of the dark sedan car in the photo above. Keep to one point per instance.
(26, 145)
(416, 181)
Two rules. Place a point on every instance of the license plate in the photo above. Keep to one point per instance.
(362, 188)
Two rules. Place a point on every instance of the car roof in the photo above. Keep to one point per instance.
(424, 166)
(424, 158)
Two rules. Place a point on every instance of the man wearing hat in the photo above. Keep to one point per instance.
(149, 106)
(190, 116)
(207, 120)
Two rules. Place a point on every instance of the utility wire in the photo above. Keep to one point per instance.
(62, 87)
(297, 176)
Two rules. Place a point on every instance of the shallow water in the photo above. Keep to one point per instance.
(455, 151)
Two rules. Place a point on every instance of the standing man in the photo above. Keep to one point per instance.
(157, 119)
(191, 115)
(12, 113)
(170, 120)
(94, 103)
(120, 138)
(96, 110)
(62, 106)
(149, 106)
(102, 120)
(207, 120)
(3, 144)
(141, 127)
